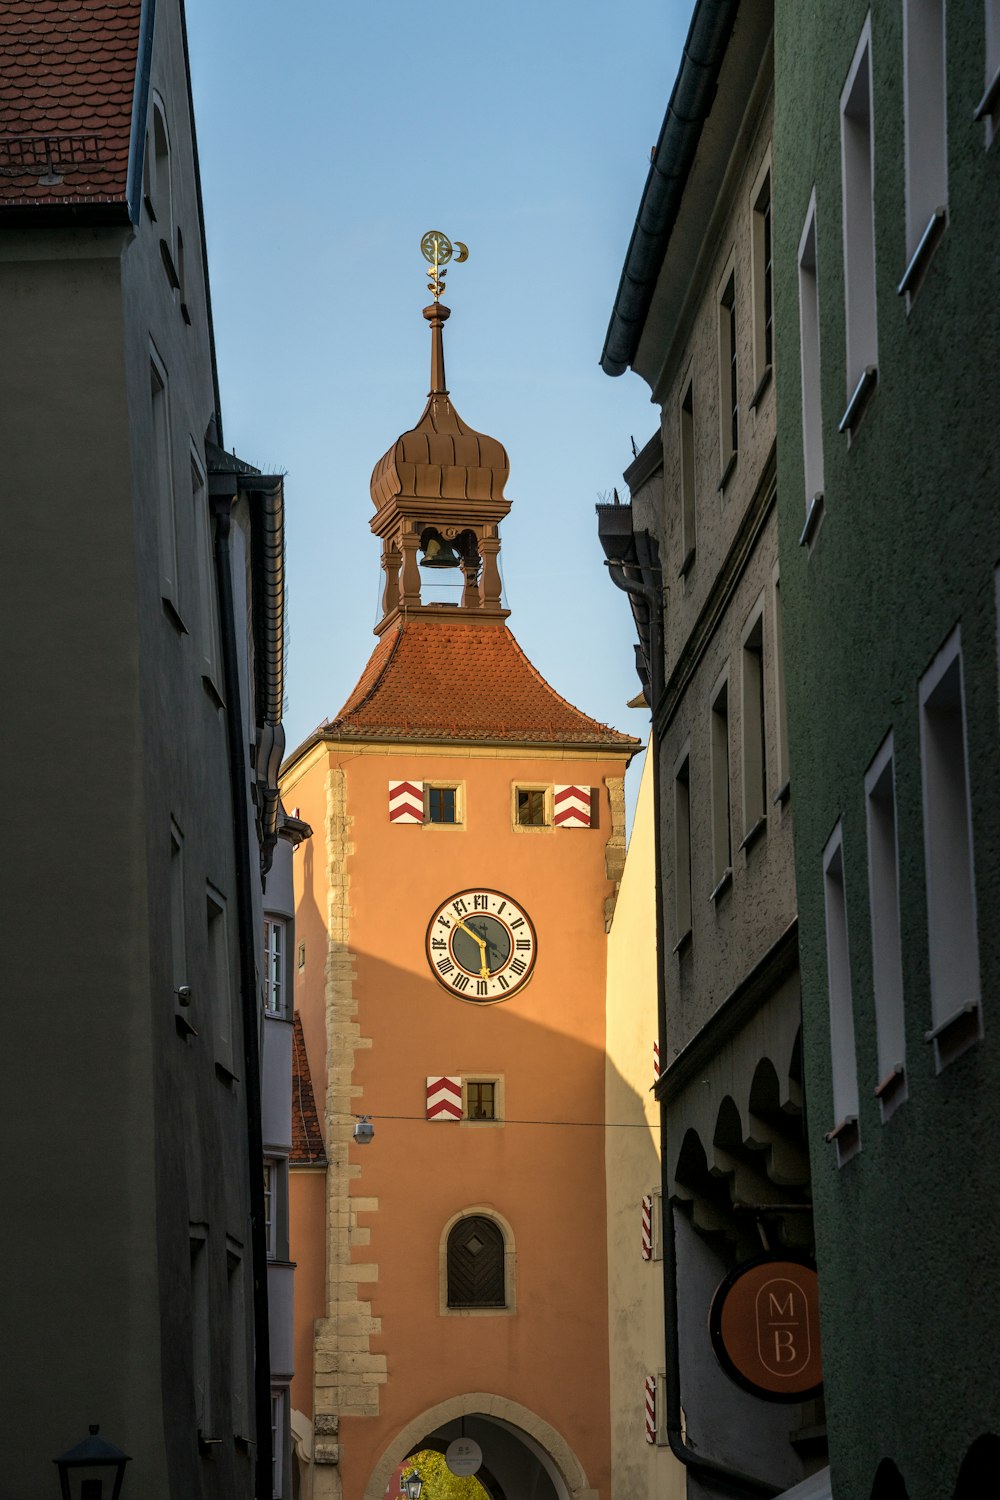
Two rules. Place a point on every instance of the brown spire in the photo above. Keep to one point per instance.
(437, 316)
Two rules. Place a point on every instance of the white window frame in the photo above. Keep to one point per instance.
(952, 923)
(276, 932)
(845, 1133)
(279, 1426)
(271, 1189)
(811, 373)
(857, 161)
(887, 950)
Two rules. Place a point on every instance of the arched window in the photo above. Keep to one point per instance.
(476, 1263)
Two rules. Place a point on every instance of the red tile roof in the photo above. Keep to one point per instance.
(67, 80)
(307, 1138)
(431, 679)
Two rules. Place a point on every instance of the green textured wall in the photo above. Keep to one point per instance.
(908, 547)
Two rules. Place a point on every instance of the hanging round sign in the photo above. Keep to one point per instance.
(764, 1323)
(463, 1456)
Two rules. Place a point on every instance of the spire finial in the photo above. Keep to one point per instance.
(437, 250)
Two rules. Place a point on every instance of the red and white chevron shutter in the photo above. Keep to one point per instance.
(406, 802)
(650, 1401)
(571, 807)
(444, 1098)
(647, 1227)
(656, 1062)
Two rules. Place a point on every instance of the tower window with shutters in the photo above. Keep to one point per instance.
(476, 1264)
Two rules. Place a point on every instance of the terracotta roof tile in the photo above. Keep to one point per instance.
(431, 679)
(67, 77)
(307, 1138)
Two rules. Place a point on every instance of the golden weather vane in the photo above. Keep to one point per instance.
(437, 250)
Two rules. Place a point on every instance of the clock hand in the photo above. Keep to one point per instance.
(484, 968)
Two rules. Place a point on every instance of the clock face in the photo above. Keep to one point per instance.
(481, 946)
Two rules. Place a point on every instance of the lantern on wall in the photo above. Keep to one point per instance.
(92, 1470)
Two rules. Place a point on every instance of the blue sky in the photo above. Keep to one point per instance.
(331, 135)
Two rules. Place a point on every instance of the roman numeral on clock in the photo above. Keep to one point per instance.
(438, 943)
(445, 965)
(518, 965)
(518, 922)
(482, 988)
(523, 943)
(480, 903)
(460, 982)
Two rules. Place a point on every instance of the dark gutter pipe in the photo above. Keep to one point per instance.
(673, 155)
(222, 507)
(733, 1480)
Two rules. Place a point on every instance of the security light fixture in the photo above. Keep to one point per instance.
(364, 1131)
(92, 1470)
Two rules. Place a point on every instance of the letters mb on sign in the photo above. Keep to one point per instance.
(764, 1323)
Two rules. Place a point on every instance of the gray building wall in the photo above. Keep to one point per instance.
(906, 551)
(125, 1112)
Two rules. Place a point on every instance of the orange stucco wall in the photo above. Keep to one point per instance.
(546, 1180)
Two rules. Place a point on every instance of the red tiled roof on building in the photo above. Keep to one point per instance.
(67, 83)
(431, 679)
(307, 1138)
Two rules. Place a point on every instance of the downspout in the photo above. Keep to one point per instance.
(245, 874)
(704, 1468)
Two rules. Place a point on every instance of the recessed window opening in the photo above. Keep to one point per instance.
(763, 296)
(682, 849)
(270, 1205)
(988, 109)
(887, 952)
(219, 981)
(200, 1328)
(238, 1363)
(442, 804)
(278, 1426)
(780, 706)
(857, 166)
(531, 807)
(754, 750)
(178, 929)
(163, 477)
(924, 116)
(729, 411)
(952, 927)
(722, 847)
(809, 353)
(844, 1068)
(688, 506)
(476, 1263)
(162, 185)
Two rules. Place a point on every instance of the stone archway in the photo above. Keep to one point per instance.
(537, 1437)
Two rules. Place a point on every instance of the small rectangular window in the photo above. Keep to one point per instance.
(275, 986)
(442, 804)
(270, 1205)
(887, 954)
(952, 927)
(219, 974)
(279, 1426)
(925, 130)
(729, 410)
(809, 354)
(161, 460)
(206, 605)
(531, 807)
(763, 295)
(780, 707)
(844, 1067)
(238, 1362)
(689, 518)
(857, 167)
(682, 850)
(178, 926)
(201, 1354)
(722, 847)
(754, 741)
(480, 1097)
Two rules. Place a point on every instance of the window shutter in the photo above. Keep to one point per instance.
(650, 1404)
(476, 1271)
(444, 1098)
(647, 1227)
(406, 802)
(571, 806)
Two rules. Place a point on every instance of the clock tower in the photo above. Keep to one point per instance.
(451, 918)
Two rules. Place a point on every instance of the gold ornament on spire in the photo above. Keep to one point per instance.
(437, 249)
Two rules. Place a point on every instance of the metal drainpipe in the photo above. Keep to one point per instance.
(706, 1468)
(222, 507)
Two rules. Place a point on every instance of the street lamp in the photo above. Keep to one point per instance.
(93, 1470)
(410, 1485)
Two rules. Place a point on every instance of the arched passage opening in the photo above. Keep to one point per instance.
(522, 1454)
